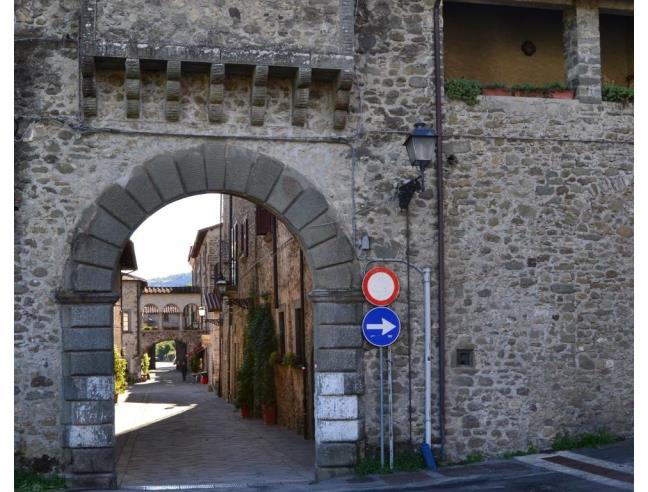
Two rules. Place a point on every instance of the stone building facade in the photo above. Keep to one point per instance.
(306, 114)
(129, 320)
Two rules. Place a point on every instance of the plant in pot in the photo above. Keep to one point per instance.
(245, 387)
(463, 90)
(121, 382)
(558, 90)
(494, 89)
(527, 90)
(265, 344)
(618, 93)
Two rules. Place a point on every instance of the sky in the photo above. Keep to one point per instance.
(163, 240)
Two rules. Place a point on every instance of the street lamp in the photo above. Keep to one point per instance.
(202, 312)
(221, 284)
(421, 146)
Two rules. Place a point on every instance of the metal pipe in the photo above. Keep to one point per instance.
(427, 324)
(391, 408)
(382, 423)
(438, 110)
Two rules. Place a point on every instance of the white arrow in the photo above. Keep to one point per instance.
(385, 326)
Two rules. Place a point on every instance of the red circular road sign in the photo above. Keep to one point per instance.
(380, 286)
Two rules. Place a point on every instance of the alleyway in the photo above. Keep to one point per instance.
(175, 433)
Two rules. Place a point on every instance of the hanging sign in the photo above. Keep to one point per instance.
(381, 326)
(380, 286)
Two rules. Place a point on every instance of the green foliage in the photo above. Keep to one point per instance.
(28, 481)
(405, 460)
(120, 372)
(531, 449)
(528, 88)
(618, 93)
(474, 458)
(164, 350)
(145, 364)
(290, 359)
(555, 86)
(273, 360)
(493, 85)
(196, 363)
(463, 90)
(564, 441)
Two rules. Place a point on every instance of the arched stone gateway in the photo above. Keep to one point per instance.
(90, 290)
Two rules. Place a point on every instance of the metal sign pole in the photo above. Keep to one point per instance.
(391, 408)
(382, 425)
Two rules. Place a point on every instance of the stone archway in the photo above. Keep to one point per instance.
(91, 276)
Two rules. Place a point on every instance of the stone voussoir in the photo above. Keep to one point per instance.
(165, 177)
(142, 189)
(239, 162)
(122, 206)
(214, 155)
(263, 176)
(88, 249)
(308, 206)
(191, 166)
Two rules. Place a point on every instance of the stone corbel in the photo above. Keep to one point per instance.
(259, 92)
(215, 110)
(88, 87)
(301, 92)
(172, 110)
(342, 96)
(133, 84)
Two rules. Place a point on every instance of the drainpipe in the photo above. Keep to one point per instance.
(438, 109)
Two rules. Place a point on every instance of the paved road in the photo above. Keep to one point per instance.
(175, 433)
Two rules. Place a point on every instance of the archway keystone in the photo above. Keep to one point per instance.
(92, 275)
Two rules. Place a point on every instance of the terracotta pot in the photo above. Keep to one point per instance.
(245, 412)
(269, 415)
(566, 94)
(495, 91)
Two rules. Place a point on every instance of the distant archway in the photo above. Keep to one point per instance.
(92, 276)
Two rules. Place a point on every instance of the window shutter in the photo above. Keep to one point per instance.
(263, 221)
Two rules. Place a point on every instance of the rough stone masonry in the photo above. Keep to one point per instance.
(122, 108)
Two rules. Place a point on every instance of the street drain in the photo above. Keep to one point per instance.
(594, 469)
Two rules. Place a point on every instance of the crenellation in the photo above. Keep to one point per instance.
(133, 87)
(258, 95)
(301, 92)
(215, 110)
(173, 74)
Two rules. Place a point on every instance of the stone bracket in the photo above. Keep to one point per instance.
(259, 93)
(215, 110)
(86, 60)
(301, 92)
(88, 87)
(342, 97)
(133, 85)
(172, 109)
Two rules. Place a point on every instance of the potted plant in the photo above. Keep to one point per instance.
(463, 90)
(494, 89)
(618, 93)
(264, 387)
(245, 387)
(558, 90)
(527, 90)
(120, 374)
(145, 365)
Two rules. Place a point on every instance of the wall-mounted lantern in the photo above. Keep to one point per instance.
(221, 284)
(421, 147)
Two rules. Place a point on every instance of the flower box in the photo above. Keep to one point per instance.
(269, 414)
(495, 91)
(563, 94)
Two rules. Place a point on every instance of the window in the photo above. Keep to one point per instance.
(282, 334)
(465, 358)
(300, 339)
(263, 221)
(234, 247)
(244, 238)
(125, 321)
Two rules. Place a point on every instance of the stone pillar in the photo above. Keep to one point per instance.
(582, 43)
(339, 418)
(88, 387)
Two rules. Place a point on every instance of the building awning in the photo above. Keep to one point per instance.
(213, 302)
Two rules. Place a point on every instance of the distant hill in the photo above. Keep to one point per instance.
(175, 280)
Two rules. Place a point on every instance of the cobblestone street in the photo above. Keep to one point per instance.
(175, 433)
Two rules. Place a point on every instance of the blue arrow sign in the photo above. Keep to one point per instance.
(381, 326)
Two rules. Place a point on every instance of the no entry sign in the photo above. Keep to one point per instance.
(380, 286)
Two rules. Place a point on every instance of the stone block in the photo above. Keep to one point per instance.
(92, 412)
(88, 388)
(287, 188)
(337, 430)
(89, 436)
(324, 473)
(88, 249)
(353, 384)
(91, 363)
(87, 339)
(214, 153)
(332, 252)
(329, 383)
(239, 164)
(263, 176)
(121, 205)
(165, 177)
(109, 229)
(308, 206)
(338, 336)
(336, 454)
(337, 407)
(93, 460)
(141, 188)
(319, 230)
(92, 279)
(90, 315)
(91, 481)
(337, 314)
(191, 166)
(334, 360)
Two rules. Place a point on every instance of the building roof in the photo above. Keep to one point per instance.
(200, 237)
(127, 260)
(130, 276)
(172, 290)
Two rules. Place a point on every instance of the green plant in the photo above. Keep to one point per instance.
(28, 481)
(527, 88)
(120, 372)
(165, 349)
(245, 375)
(463, 90)
(196, 363)
(564, 441)
(290, 359)
(145, 364)
(531, 449)
(265, 343)
(618, 93)
(405, 460)
(493, 85)
(273, 360)
(555, 86)
(474, 458)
